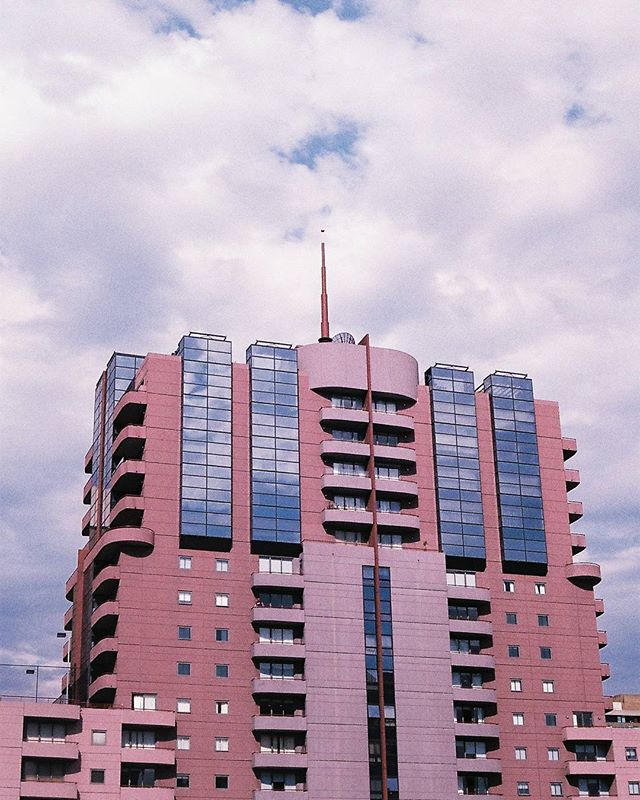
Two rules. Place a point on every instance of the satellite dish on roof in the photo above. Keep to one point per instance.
(344, 338)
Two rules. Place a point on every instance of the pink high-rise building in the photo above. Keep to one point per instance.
(324, 573)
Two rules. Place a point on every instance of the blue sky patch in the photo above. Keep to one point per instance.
(578, 115)
(340, 142)
(345, 9)
(175, 22)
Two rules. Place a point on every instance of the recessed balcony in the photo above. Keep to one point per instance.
(66, 649)
(569, 448)
(144, 718)
(129, 410)
(470, 593)
(475, 695)
(584, 574)
(67, 622)
(575, 510)
(86, 492)
(599, 606)
(117, 538)
(266, 650)
(475, 766)
(270, 794)
(276, 580)
(129, 443)
(578, 543)
(278, 686)
(293, 616)
(147, 793)
(571, 478)
(128, 511)
(473, 627)
(267, 724)
(589, 768)
(279, 761)
(605, 670)
(595, 734)
(103, 688)
(51, 790)
(603, 639)
(477, 730)
(473, 661)
(88, 461)
(105, 616)
(71, 585)
(63, 751)
(148, 756)
(127, 479)
(103, 653)
(106, 581)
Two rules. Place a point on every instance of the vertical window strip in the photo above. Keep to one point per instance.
(457, 464)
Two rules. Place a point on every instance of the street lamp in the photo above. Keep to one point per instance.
(34, 671)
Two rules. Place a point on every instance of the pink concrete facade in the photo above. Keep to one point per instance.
(496, 674)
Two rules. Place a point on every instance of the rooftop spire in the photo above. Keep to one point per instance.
(324, 301)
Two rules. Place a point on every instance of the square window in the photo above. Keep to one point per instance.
(516, 685)
(184, 598)
(143, 702)
(545, 652)
(222, 634)
(548, 687)
(221, 782)
(182, 781)
(509, 586)
(550, 720)
(634, 787)
(222, 744)
(556, 789)
(222, 706)
(183, 705)
(185, 562)
(543, 620)
(100, 737)
(183, 743)
(97, 776)
(222, 565)
(540, 588)
(222, 600)
(184, 668)
(184, 632)
(553, 754)
(630, 754)
(222, 670)
(518, 718)
(511, 618)
(513, 651)
(521, 753)
(523, 789)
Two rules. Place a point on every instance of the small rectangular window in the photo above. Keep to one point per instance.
(185, 562)
(509, 586)
(222, 634)
(550, 720)
(521, 753)
(221, 782)
(553, 754)
(222, 600)
(634, 787)
(182, 781)
(630, 754)
(545, 652)
(98, 737)
(516, 685)
(511, 618)
(184, 632)
(513, 651)
(548, 687)
(184, 668)
(222, 670)
(222, 706)
(184, 598)
(183, 705)
(143, 702)
(222, 565)
(543, 621)
(523, 789)
(540, 588)
(222, 744)
(518, 718)
(183, 743)
(556, 789)
(97, 776)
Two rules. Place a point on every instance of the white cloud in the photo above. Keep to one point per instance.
(145, 197)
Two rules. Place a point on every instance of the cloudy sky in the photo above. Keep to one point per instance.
(167, 166)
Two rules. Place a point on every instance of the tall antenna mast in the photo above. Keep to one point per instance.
(324, 301)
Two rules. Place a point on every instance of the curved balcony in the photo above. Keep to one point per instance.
(471, 661)
(292, 616)
(86, 491)
(147, 793)
(88, 461)
(62, 751)
(145, 718)
(67, 621)
(269, 794)
(127, 478)
(475, 695)
(595, 734)
(589, 768)
(477, 730)
(107, 580)
(128, 511)
(129, 410)
(330, 417)
(103, 688)
(605, 670)
(332, 449)
(473, 627)
(264, 760)
(402, 489)
(470, 593)
(603, 639)
(278, 686)
(70, 585)
(267, 724)
(148, 756)
(584, 574)
(333, 483)
(398, 523)
(598, 603)
(287, 652)
(104, 652)
(396, 423)
(347, 518)
(276, 580)
(575, 510)
(569, 448)
(66, 650)
(571, 478)
(578, 543)
(49, 790)
(475, 766)
(117, 538)
(105, 615)
(129, 443)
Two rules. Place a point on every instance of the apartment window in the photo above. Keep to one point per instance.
(144, 702)
(521, 753)
(556, 789)
(463, 612)
(518, 718)
(222, 744)
(183, 705)
(184, 668)
(471, 646)
(143, 738)
(543, 621)
(222, 706)
(221, 782)
(222, 634)
(387, 506)
(523, 789)
(347, 401)
(222, 670)
(98, 737)
(222, 600)
(388, 406)
(184, 598)
(277, 669)
(386, 439)
(509, 586)
(185, 562)
(388, 472)
(182, 781)
(183, 743)
(460, 578)
(348, 468)
(511, 618)
(513, 651)
(276, 565)
(545, 652)
(548, 687)
(540, 588)
(42, 770)
(184, 632)
(345, 435)
(630, 754)
(516, 685)
(44, 731)
(97, 776)
(553, 754)
(583, 719)
(390, 540)
(550, 720)
(634, 787)
(471, 748)
(466, 680)
(222, 565)
(276, 635)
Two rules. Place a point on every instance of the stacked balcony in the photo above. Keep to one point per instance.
(49, 759)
